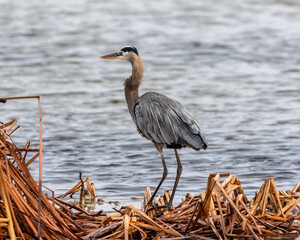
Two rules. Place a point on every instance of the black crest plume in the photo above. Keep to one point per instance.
(130, 49)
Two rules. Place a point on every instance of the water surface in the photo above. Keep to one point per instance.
(234, 64)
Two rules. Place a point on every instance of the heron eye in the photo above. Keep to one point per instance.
(121, 53)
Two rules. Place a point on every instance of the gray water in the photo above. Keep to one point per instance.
(233, 64)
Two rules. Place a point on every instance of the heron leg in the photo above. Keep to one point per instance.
(179, 171)
(165, 173)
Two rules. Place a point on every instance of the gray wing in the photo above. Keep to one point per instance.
(165, 121)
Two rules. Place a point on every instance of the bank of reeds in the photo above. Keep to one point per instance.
(223, 211)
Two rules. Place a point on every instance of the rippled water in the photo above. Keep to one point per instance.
(234, 64)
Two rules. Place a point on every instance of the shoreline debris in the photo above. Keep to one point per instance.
(221, 212)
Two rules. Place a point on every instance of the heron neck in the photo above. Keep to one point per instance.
(133, 82)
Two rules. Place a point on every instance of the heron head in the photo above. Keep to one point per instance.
(126, 53)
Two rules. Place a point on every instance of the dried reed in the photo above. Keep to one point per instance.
(221, 212)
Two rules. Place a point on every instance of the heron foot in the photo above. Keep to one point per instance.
(159, 210)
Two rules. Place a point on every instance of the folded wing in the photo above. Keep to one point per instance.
(165, 121)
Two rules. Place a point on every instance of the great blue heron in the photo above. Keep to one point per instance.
(158, 118)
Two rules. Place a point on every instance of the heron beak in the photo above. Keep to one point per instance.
(116, 55)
